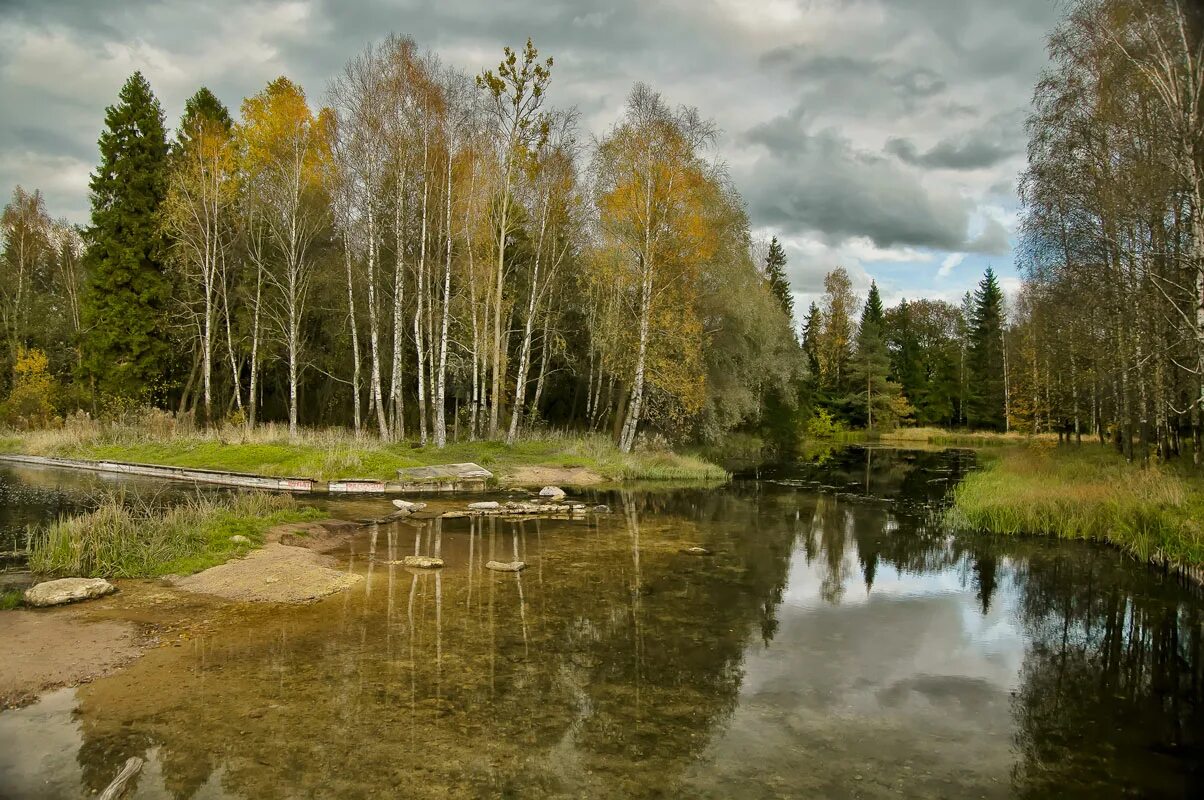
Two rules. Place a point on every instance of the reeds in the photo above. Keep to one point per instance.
(1085, 492)
(129, 535)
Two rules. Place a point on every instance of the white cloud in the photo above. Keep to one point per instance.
(950, 263)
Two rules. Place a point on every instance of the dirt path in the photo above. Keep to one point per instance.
(551, 476)
(276, 573)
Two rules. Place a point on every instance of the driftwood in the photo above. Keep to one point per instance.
(120, 784)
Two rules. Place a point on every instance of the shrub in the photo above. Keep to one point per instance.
(822, 426)
(30, 404)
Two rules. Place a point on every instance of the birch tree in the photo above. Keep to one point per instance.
(651, 186)
(516, 92)
(284, 148)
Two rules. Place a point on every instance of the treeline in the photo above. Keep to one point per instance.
(926, 362)
(426, 255)
(1108, 331)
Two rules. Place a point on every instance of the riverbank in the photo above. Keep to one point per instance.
(332, 454)
(1154, 513)
(128, 536)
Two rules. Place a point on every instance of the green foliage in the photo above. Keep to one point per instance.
(823, 426)
(30, 404)
(10, 599)
(124, 307)
(129, 536)
(779, 284)
(986, 404)
(922, 337)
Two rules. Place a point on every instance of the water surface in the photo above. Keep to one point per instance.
(837, 643)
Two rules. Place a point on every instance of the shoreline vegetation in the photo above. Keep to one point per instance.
(331, 453)
(133, 536)
(1153, 512)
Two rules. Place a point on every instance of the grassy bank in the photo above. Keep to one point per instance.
(327, 454)
(1087, 492)
(132, 537)
(903, 437)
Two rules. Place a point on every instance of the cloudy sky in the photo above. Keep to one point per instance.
(882, 135)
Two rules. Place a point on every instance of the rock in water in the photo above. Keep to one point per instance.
(486, 505)
(67, 590)
(696, 551)
(406, 505)
(553, 492)
(506, 566)
(238, 538)
(422, 562)
(601, 509)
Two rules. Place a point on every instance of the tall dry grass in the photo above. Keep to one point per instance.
(131, 535)
(1085, 492)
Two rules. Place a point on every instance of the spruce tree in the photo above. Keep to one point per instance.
(869, 370)
(985, 388)
(126, 351)
(812, 327)
(873, 312)
(779, 284)
(202, 108)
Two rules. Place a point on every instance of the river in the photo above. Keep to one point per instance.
(837, 643)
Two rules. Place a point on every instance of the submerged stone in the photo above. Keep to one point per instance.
(506, 566)
(422, 562)
(67, 590)
(696, 551)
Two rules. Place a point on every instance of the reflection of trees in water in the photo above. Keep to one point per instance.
(608, 665)
(609, 661)
(1112, 688)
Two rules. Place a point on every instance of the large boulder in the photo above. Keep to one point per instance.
(552, 492)
(67, 590)
(406, 505)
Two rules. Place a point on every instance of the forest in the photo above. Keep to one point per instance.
(427, 254)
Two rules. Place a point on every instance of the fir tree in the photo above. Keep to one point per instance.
(986, 388)
(873, 312)
(812, 326)
(203, 108)
(779, 284)
(126, 348)
(869, 370)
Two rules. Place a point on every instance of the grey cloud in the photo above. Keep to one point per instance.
(806, 122)
(998, 140)
(819, 183)
(849, 81)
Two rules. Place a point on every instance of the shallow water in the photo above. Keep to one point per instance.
(836, 644)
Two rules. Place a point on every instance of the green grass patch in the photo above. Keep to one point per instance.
(330, 454)
(10, 599)
(131, 537)
(1085, 492)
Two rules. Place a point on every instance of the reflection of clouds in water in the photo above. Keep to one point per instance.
(39, 743)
